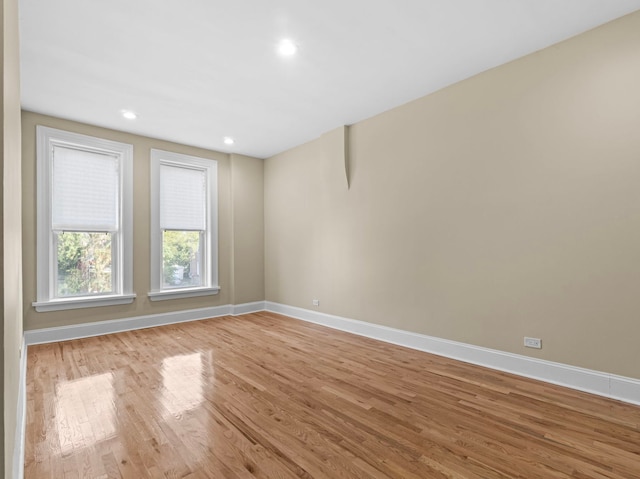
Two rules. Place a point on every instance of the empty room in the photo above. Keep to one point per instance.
(321, 239)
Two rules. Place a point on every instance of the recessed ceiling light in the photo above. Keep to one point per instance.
(129, 115)
(286, 48)
(228, 140)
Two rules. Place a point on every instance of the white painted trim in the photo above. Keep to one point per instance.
(21, 416)
(99, 328)
(122, 263)
(83, 302)
(182, 293)
(209, 259)
(246, 308)
(596, 382)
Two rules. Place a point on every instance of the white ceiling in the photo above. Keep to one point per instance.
(198, 70)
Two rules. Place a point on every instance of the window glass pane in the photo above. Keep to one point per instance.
(84, 263)
(181, 259)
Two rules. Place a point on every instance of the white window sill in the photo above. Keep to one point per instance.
(83, 302)
(182, 293)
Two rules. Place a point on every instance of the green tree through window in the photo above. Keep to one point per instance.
(84, 263)
(180, 258)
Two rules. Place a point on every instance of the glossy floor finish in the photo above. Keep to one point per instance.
(266, 396)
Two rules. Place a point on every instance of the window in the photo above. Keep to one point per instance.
(84, 237)
(184, 235)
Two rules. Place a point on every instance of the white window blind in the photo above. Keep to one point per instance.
(85, 190)
(182, 198)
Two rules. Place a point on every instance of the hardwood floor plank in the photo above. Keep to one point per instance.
(266, 396)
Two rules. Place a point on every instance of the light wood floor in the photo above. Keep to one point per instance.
(266, 396)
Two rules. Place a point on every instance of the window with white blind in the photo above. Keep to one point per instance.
(84, 226)
(183, 226)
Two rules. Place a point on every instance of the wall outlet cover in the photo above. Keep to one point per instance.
(533, 342)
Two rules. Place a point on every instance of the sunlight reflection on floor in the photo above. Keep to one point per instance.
(85, 411)
(182, 383)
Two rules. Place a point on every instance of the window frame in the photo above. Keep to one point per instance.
(209, 282)
(122, 253)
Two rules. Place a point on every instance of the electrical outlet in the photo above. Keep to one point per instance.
(316, 302)
(533, 342)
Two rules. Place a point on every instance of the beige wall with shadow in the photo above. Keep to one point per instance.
(504, 206)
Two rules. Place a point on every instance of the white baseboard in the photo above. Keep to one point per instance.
(246, 308)
(21, 416)
(99, 328)
(596, 382)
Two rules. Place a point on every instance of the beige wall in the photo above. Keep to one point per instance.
(141, 262)
(11, 236)
(503, 206)
(247, 189)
